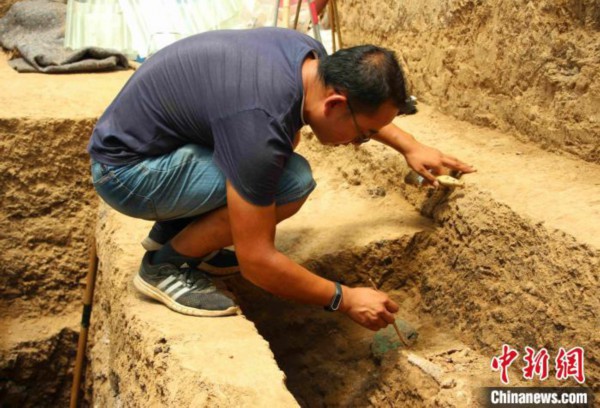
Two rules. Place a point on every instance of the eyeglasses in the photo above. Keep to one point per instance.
(361, 138)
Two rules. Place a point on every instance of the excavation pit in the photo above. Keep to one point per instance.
(452, 274)
(467, 270)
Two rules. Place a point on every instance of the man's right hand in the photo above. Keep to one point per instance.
(370, 308)
(253, 231)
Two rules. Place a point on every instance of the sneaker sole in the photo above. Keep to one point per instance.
(156, 294)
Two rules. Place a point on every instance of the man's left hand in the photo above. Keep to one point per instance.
(425, 160)
(430, 162)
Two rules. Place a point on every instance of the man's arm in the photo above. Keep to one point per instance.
(253, 229)
(425, 160)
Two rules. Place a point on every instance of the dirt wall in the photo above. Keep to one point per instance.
(524, 67)
(46, 218)
(47, 207)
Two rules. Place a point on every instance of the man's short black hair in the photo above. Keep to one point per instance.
(369, 76)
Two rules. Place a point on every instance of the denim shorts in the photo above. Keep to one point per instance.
(184, 183)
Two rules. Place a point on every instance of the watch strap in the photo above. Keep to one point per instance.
(336, 300)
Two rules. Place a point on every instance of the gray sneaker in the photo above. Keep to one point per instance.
(186, 290)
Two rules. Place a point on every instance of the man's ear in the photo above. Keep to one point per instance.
(333, 102)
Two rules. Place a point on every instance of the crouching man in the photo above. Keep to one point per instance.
(201, 140)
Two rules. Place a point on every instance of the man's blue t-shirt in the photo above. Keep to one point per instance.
(237, 91)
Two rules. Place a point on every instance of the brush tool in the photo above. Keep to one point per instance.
(415, 179)
(449, 181)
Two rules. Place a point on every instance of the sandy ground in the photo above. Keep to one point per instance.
(337, 217)
(68, 96)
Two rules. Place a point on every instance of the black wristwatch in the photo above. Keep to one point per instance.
(336, 300)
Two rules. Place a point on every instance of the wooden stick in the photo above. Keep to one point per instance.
(400, 336)
(276, 16)
(332, 24)
(85, 323)
(297, 14)
(337, 21)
